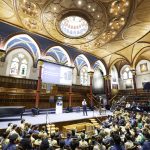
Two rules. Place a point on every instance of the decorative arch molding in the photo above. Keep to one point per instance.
(49, 58)
(115, 69)
(126, 78)
(101, 66)
(135, 59)
(142, 72)
(141, 61)
(13, 52)
(114, 76)
(123, 57)
(25, 41)
(85, 62)
(114, 62)
(57, 56)
(123, 67)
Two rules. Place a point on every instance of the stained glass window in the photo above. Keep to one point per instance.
(84, 76)
(14, 66)
(19, 65)
(127, 74)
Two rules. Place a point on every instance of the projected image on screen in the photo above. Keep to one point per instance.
(65, 75)
(56, 74)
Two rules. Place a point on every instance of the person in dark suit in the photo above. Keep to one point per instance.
(35, 111)
(84, 105)
(133, 106)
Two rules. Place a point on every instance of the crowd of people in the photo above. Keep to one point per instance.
(138, 107)
(121, 131)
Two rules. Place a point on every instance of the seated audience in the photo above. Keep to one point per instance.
(98, 144)
(73, 134)
(82, 142)
(25, 143)
(45, 145)
(62, 145)
(52, 140)
(9, 128)
(128, 105)
(22, 125)
(12, 145)
(128, 142)
(117, 143)
(146, 144)
(5, 139)
(121, 131)
(133, 106)
(68, 140)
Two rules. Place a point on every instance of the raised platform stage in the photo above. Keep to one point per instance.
(51, 118)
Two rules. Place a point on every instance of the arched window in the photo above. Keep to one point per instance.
(19, 65)
(130, 76)
(14, 66)
(127, 74)
(84, 76)
(59, 55)
(23, 68)
(114, 74)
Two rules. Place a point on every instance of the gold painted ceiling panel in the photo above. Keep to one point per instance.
(111, 25)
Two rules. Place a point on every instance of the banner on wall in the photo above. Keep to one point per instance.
(98, 82)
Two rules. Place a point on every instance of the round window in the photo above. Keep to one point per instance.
(74, 26)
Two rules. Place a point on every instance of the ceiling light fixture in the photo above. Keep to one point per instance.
(79, 2)
(89, 6)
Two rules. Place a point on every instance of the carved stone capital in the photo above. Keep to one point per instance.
(40, 63)
(91, 73)
(107, 77)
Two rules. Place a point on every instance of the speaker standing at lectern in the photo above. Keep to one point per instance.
(84, 104)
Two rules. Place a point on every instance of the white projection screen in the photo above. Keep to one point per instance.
(56, 74)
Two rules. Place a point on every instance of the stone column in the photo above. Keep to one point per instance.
(91, 93)
(40, 63)
(107, 87)
(70, 95)
(134, 80)
(2, 53)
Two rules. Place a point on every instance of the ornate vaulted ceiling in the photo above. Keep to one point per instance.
(108, 29)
